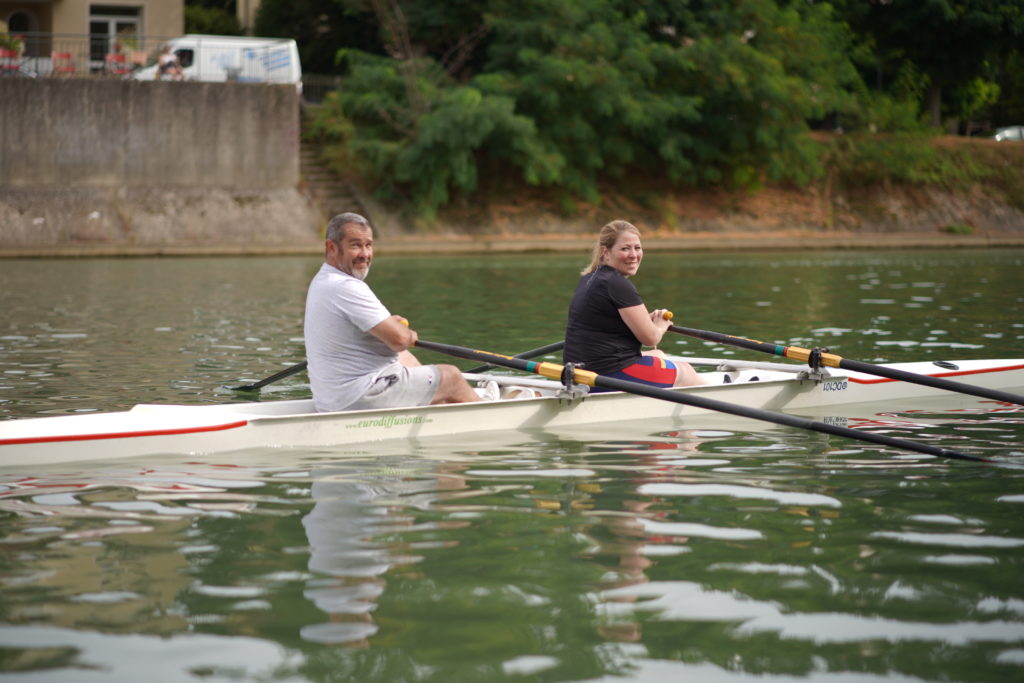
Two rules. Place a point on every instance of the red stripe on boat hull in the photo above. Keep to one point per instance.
(958, 373)
(123, 435)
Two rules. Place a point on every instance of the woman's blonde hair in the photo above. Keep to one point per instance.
(607, 238)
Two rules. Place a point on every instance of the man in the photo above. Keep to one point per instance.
(357, 351)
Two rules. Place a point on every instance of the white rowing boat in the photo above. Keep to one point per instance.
(160, 429)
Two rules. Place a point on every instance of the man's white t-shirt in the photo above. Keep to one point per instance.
(344, 358)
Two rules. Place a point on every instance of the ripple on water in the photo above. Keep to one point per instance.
(954, 540)
(735, 491)
(691, 602)
(690, 529)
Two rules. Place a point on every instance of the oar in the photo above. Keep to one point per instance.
(532, 353)
(299, 367)
(834, 361)
(287, 372)
(554, 371)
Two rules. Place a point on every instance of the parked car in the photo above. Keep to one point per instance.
(1009, 133)
(232, 58)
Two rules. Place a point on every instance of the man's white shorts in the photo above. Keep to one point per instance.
(398, 386)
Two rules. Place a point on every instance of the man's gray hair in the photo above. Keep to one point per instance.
(336, 226)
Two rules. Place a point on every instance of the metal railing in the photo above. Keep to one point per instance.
(78, 55)
(64, 55)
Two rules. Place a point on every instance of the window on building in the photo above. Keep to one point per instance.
(113, 29)
(20, 22)
(24, 24)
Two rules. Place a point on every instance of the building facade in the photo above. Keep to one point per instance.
(49, 37)
(125, 25)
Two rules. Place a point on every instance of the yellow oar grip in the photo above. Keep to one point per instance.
(804, 355)
(797, 353)
(554, 371)
(831, 360)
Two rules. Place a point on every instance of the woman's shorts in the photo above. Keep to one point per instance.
(652, 370)
(399, 386)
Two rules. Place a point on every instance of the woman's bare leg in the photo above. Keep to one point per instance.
(686, 376)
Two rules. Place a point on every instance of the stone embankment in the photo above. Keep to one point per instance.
(109, 167)
(272, 212)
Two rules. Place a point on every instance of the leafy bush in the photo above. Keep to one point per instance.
(959, 229)
(418, 135)
(573, 95)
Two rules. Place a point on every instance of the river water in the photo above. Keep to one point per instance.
(712, 552)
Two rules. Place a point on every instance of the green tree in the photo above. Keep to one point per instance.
(454, 33)
(953, 45)
(214, 17)
(571, 94)
(320, 28)
(1009, 110)
(410, 127)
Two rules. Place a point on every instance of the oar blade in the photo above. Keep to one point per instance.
(256, 386)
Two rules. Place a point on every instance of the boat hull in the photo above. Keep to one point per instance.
(150, 430)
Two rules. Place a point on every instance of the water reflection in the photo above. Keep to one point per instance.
(703, 551)
(355, 504)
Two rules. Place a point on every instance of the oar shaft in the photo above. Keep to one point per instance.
(741, 342)
(833, 361)
(287, 372)
(532, 353)
(299, 367)
(782, 419)
(554, 371)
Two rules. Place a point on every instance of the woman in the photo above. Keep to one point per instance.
(608, 322)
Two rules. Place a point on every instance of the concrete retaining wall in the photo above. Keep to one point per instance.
(150, 163)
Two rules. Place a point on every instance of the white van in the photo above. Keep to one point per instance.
(232, 58)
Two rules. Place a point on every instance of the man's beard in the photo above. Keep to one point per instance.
(360, 272)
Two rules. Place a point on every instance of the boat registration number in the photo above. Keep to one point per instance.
(834, 385)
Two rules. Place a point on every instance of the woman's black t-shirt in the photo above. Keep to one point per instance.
(596, 334)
